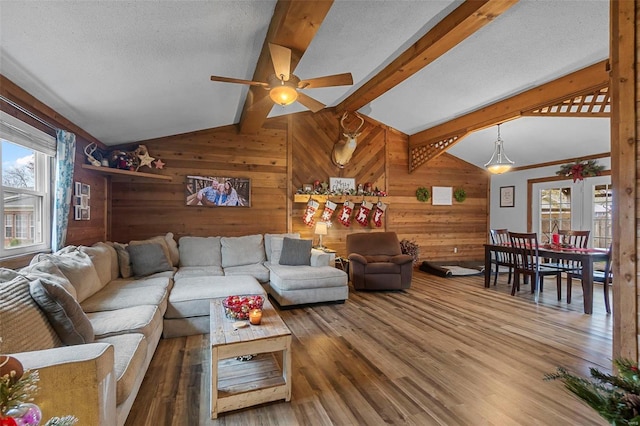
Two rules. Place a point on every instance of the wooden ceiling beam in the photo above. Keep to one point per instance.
(591, 78)
(293, 25)
(465, 20)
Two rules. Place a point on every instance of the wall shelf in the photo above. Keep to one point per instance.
(338, 199)
(112, 171)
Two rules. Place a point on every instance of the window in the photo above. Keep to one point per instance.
(555, 211)
(26, 155)
(602, 215)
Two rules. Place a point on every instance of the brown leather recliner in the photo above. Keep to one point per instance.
(377, 262)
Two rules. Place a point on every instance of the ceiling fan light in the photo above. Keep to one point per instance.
(284, 93)
(499, 162)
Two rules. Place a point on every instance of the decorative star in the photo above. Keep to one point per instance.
(145, 160)
(159, 164)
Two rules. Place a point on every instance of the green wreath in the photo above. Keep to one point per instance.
(422, 194)
(460, 195)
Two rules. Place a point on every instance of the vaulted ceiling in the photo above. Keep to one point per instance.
(127, 71)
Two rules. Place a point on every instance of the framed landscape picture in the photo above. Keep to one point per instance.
(218, 191)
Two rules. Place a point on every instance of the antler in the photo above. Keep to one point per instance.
(355, 133)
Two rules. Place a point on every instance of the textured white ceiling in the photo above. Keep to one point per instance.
(132, 70)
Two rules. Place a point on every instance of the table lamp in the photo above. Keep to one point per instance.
(321, 229)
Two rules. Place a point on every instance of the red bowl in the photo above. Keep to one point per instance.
(238, 307)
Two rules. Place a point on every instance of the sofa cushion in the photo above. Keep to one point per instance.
(124, 260)
(174, 252)
(306, 277)
(80, 272)
(198, 271)
(118, 297)
(200, 251)
(190, 297)
(23, 326)
(295, 252)
(63, 311)
(147, 259)
(130, 352)
(256, 270)
(48, 270)
(100, 255)
(245, 250)
(268, 248)
(142, 319)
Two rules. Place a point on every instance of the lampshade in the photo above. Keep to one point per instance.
(321, 228)
(499, 162)
(284, 93)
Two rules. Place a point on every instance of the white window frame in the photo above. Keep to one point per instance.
(20, 133)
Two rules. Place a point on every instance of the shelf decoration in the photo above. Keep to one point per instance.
(345, 214)
(411, 248)
(307, 217)
(378, 213)
(323, 188)
(580, 169)
(362, 217)
(460, 195)
(422, 194)
(123, 160)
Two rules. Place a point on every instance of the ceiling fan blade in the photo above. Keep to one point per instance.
(309, 102)
(237, 80)
(281, 58)
(327, 81)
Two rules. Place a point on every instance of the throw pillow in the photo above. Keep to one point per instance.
(295, 252)
(23, 325)
(155, 240)
(100, 256)
(47, 270)
(173, 249)
(124, 260)
(147, 259)
(80, 272)
(63, 311)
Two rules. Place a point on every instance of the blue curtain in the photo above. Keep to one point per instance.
(65, 156)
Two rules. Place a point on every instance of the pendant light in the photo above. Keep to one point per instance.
(499, 162)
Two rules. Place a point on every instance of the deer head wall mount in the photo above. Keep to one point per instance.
(343, 149)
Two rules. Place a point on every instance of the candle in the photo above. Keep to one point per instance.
(556, 239)
(255, 316)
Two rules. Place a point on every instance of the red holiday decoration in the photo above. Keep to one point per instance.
(345, 213)
(312, 207)
(378, 213)
(362, 217)
(329, 208)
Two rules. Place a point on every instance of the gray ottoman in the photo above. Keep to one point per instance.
(188, 308)
(299, 285)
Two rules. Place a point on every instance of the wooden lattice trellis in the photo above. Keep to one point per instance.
(421, 154)
(596, 103)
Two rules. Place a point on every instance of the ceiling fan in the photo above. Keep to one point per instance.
(284, 87)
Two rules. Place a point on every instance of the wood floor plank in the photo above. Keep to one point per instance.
(445, 352)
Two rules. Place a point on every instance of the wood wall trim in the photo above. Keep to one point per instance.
(293, 25)
(625, 163)
(465, 20)
(566, 160)
(589, 78)
(290, 188)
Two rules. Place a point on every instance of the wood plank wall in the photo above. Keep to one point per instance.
(143, 209)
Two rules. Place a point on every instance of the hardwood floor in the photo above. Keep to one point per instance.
(445, 352)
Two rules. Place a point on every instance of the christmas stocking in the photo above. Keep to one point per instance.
(312, 207)
(345, 213)
(378, 213)
(362, 217)
(329, 208)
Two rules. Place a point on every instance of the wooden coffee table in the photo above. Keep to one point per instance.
(238, 384)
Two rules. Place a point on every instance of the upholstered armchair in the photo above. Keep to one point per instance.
(377, 262)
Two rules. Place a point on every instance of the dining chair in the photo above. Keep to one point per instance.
(501, 237)
(527, 262)
(605, 277)
(570, 239)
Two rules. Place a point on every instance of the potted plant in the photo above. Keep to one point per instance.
(411, 248)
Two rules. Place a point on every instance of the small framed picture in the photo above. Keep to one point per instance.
(77, 200)
(78, 188)
(507, 196)
(77, 212)
(85, 190)
(442, 196)
(307, 187)
(86, 213)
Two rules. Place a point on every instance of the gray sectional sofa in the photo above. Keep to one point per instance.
(89, 319)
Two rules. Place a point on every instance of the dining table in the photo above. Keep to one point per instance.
(586, 256)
